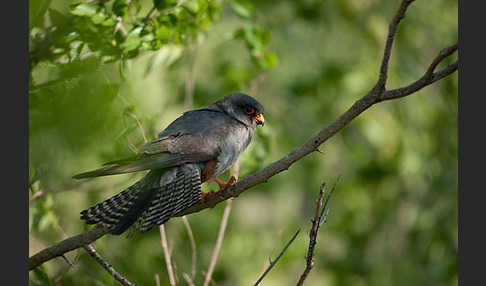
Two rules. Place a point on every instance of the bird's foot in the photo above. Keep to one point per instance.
(222, 185)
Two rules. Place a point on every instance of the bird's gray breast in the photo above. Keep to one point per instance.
(231, 148)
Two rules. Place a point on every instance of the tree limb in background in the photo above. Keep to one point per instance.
(311, 145)
(168, 263)
(193, 247)
(320, 217)
(272, 263)
(91, 251)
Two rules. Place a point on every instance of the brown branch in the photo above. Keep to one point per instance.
(392, 31)
(188, 279)
(107, 266)
(41, 193)
(262, 176)
(193, 247)
(203, 273)
(272, 263)
(320, 217)
(428, 78)
(67, 245)
(168, 263)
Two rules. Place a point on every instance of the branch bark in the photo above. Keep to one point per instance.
(107, 266)
(375, 95)
(168, 263)
(320, 217)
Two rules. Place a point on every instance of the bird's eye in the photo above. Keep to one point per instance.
(249, 110)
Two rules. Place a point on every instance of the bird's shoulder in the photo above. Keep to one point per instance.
(200, 130)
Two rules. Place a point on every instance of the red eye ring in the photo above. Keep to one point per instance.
(249, 110)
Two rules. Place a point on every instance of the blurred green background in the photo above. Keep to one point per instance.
(393, 217)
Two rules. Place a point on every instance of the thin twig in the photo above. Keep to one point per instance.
(428, 78)
(219, 242)
(163, 241)
(272, 263)
(157, 279)
(392, 31)
(140, 127)
(203, 273)
(188, 279)
(43, 192)
(193, 246)
(316, 224)
(107, 266)
(36, 195)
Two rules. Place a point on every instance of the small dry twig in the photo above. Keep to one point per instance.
(188, 279)
(107, 266)
(193, 247)
(320, 217)
(163, 241)
(272, 263)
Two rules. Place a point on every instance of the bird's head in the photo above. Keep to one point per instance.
(243, 108)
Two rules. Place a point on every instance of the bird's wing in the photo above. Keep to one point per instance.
(194, 137)
(185, 149)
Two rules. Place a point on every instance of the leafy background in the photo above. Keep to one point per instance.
(96, 66)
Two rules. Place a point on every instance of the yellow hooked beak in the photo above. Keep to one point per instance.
(259, 119)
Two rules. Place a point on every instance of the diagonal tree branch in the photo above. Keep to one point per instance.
(372, 97)
(107, 266)
(392, 31)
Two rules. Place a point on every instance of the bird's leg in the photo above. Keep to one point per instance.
(222, 186)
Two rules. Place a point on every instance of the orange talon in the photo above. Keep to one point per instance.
(222, 185)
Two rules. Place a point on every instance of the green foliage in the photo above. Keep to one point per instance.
(95, 66)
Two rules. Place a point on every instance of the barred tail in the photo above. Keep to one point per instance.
(173, 198)
(123, 209)
(151, 201)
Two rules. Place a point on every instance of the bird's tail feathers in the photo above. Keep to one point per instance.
(123, 209)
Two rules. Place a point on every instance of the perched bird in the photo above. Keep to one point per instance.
(195, 148)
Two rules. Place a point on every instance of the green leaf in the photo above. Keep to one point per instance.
(58, 19)
(109, 22)
(98, 18)
(47, 220)
(269, 60)
(163, 33)
(164, 4)
(242, 8)
(84, 9)
(42, 276)
(133, 40)
(120, 8)
(191, 6)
